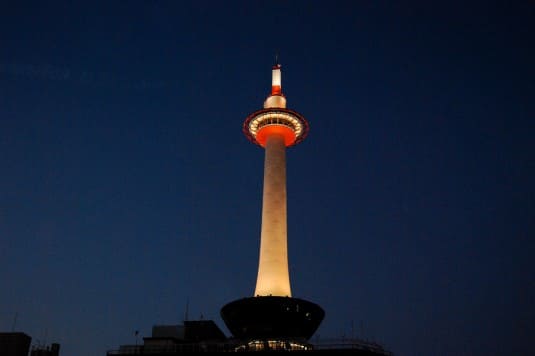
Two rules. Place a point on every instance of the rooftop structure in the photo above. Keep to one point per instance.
(14, 343)
(204, 336)
(51, 350)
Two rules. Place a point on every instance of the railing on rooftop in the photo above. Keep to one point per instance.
(235, 346)
(353, 343)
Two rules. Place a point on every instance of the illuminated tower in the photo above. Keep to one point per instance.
(274, 128)
(272, 313)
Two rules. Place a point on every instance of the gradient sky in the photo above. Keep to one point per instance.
(128, 191)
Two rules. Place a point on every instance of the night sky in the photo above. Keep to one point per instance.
(128, 191)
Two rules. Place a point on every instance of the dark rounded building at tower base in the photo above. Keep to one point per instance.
(259, 318)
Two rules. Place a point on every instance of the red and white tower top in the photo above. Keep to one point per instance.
(276, 88)
(275, 117)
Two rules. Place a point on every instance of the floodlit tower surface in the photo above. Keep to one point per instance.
(274, 127)
(272, 314)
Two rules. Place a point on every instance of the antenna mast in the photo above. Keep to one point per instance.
(14, 321)
(186, 316)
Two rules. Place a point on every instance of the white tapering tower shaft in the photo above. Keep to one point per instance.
(273, 276)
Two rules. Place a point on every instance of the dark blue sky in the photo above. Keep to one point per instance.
(127, 187)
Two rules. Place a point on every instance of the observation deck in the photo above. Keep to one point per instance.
(259, 124)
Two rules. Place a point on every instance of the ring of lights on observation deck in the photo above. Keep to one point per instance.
(292, 125)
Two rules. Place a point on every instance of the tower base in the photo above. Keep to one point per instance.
(272, 318)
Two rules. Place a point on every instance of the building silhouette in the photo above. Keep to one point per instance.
(18, 344)
(14, 344)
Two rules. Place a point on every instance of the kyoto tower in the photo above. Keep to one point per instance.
(272, 314)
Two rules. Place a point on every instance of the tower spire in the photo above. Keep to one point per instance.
(276, 87)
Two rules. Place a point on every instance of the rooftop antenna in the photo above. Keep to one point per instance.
(14, 321)
(277, 57)
(187, 310)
